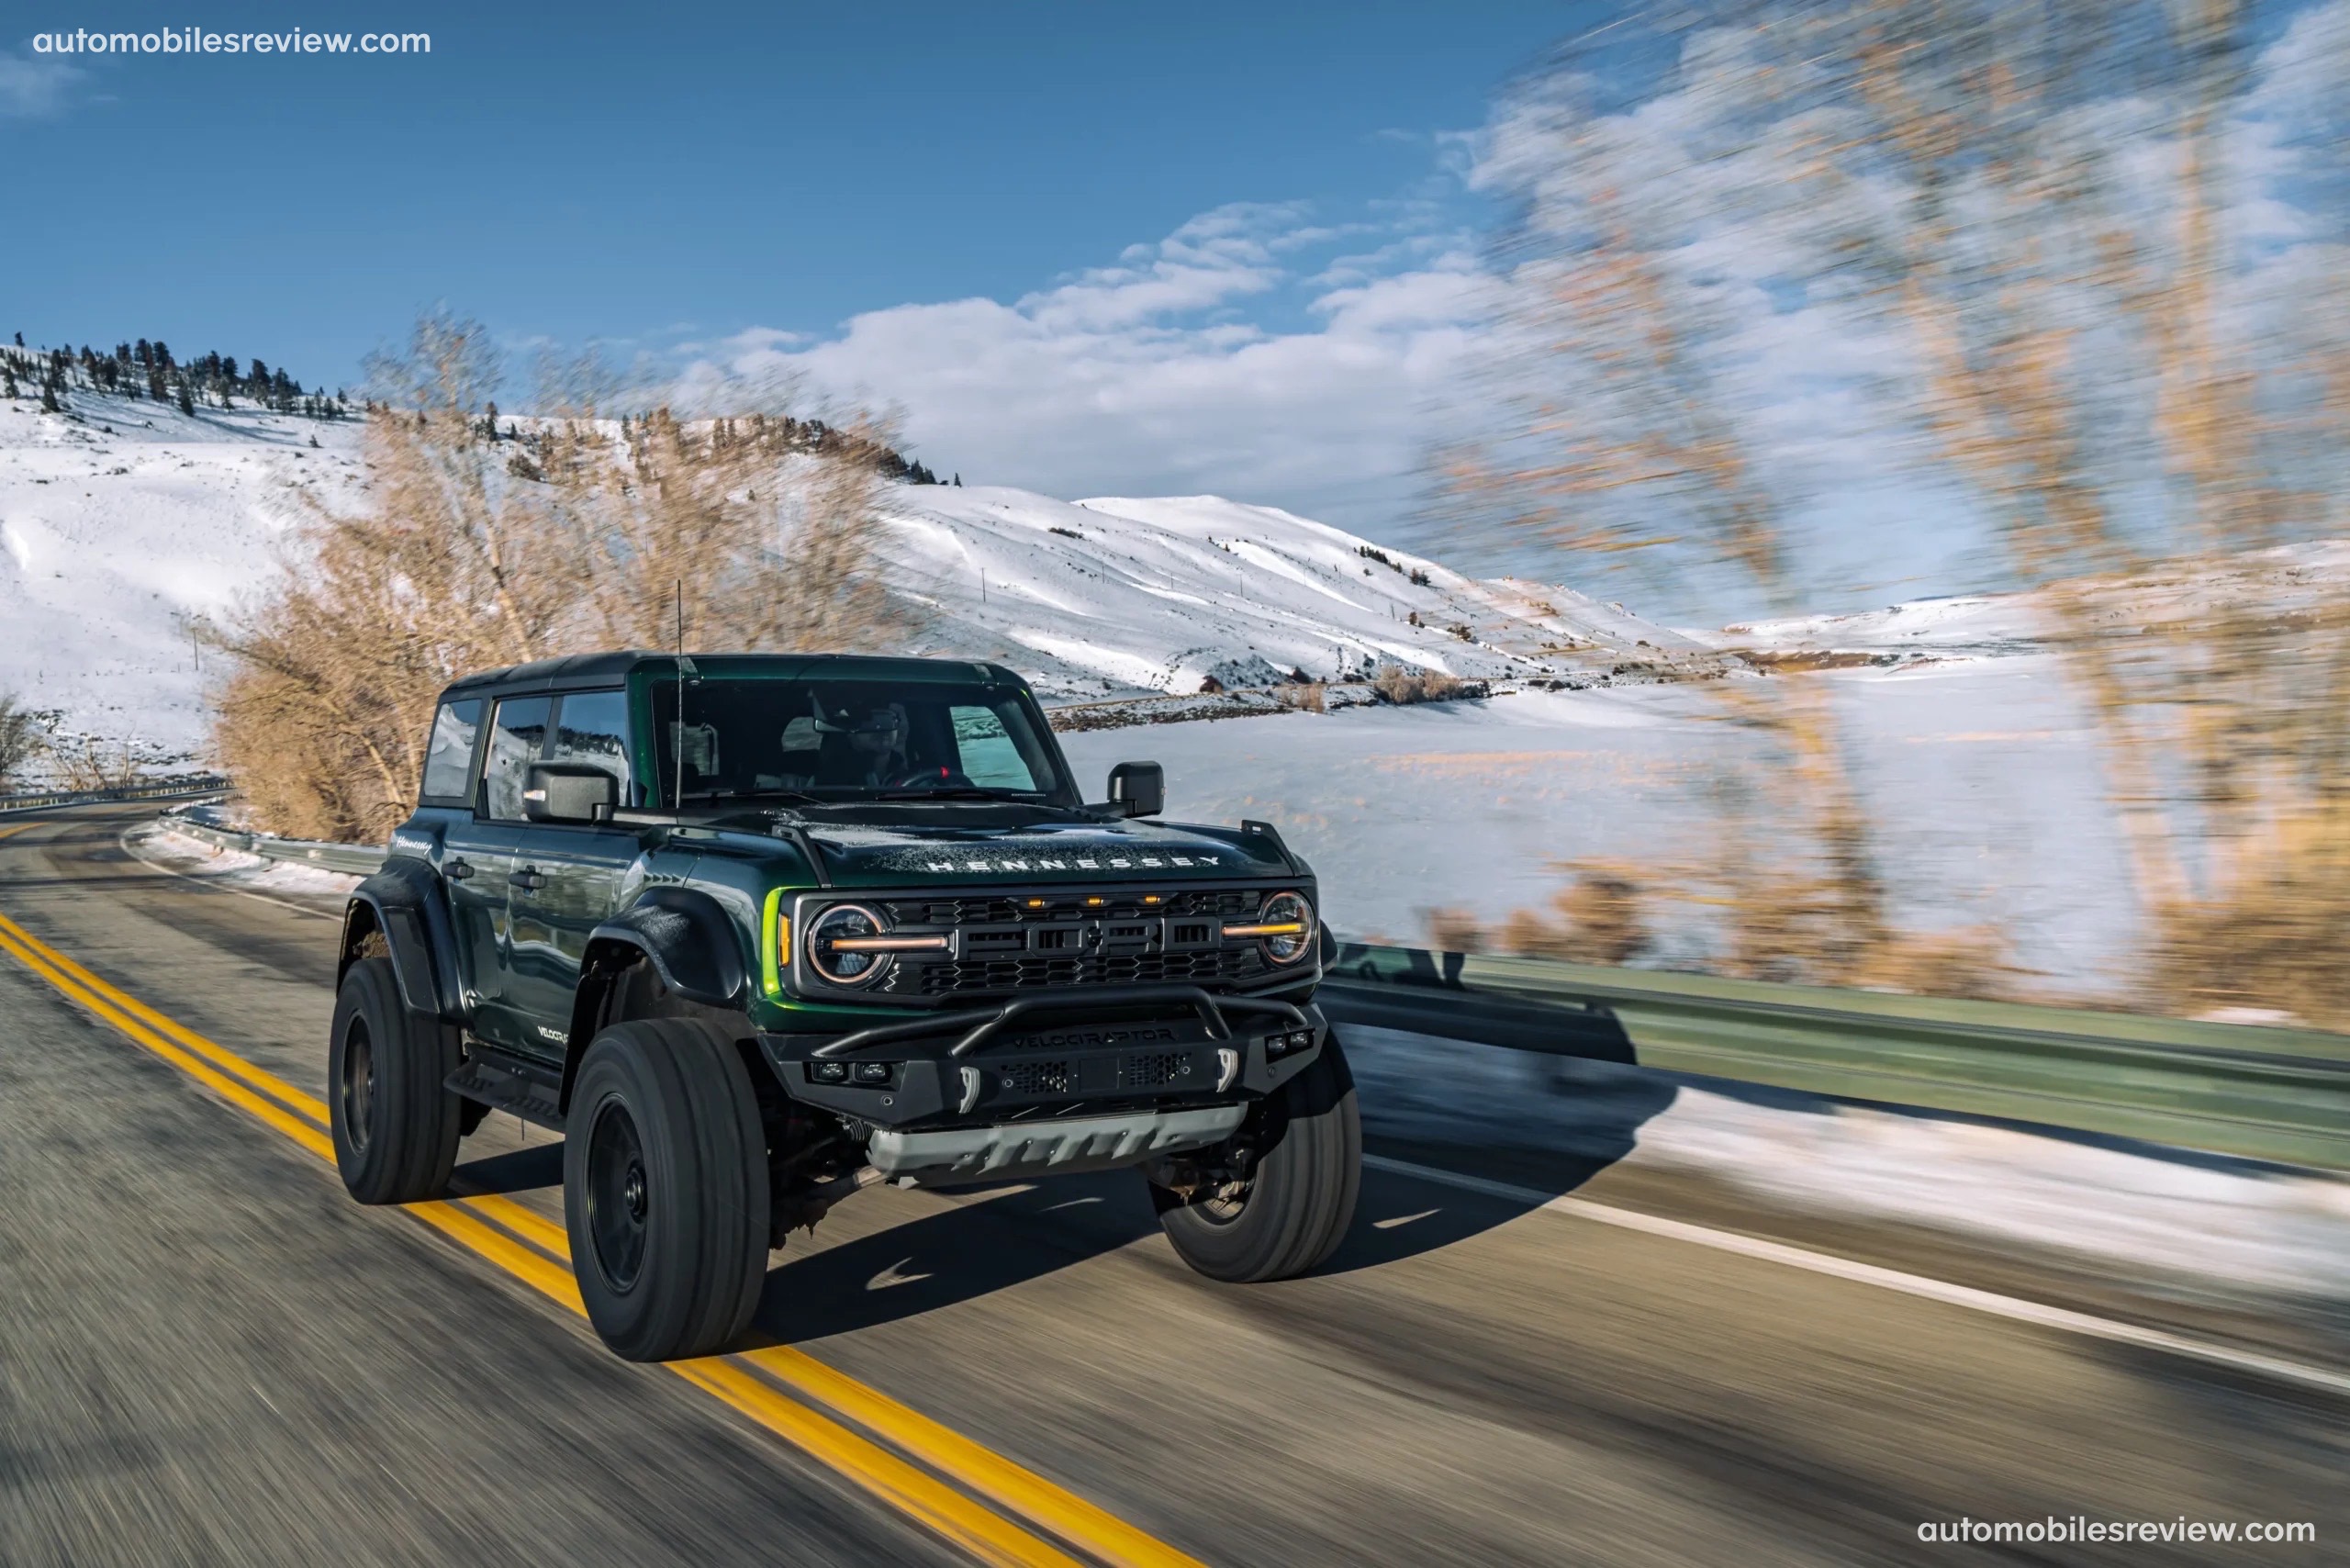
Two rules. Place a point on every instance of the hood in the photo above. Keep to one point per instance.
(863, 855)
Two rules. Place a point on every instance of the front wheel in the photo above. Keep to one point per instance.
(1298, 1197)
(395, 1125)
(664, 1189)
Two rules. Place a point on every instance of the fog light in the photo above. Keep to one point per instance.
(874, 1072)
(828, 1072)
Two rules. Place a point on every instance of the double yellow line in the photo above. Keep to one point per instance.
(536, 1251)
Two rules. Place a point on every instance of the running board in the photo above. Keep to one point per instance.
(510, 1084)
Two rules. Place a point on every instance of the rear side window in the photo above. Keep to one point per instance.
(449, 754)
(515, 742)
(591, 731)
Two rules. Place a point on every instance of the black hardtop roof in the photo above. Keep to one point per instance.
(575, 671)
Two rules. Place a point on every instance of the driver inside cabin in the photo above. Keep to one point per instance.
(850, 739)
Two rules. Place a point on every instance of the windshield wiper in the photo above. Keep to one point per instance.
(961, 792)
(750, 795)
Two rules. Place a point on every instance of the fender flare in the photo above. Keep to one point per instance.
(405, 902)
(692, 943)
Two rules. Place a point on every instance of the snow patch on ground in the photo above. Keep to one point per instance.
(2247, 1226)
(160, 845)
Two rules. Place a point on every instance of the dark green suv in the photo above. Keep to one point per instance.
(756, 931)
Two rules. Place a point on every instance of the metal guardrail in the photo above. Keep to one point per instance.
(2252, 1091)
(355, 859)
(162, 790)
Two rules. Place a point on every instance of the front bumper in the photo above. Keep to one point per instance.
(1039, 1057)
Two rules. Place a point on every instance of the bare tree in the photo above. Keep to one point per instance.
(22, 736)
(470, 555)
(2023, 225)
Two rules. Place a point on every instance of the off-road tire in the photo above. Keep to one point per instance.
(672, 1096)
(1302, 1198)
(395, 1126)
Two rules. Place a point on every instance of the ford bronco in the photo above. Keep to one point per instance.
(755, 931)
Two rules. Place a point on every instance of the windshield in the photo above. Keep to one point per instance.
(819, 741)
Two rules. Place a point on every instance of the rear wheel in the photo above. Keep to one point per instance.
(395, 1126)
(1298, 1197)
(665, 1188)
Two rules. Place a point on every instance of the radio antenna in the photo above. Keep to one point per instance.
(677, 741)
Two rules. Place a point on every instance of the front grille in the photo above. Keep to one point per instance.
(1103, 969)
(1230, 903)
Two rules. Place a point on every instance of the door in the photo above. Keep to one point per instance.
(480, 861)
(567, 877)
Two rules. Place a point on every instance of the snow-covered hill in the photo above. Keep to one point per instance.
(120, 522)
(118, 526)
(2282, 581)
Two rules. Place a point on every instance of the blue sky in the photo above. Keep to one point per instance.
(1090, 249)
(691, 173)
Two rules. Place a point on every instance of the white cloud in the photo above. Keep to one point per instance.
(34, 89)
(1146, 377)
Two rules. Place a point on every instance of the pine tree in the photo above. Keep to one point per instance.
(48, 403)
(187, 399)
(8, 378)
(958, 481)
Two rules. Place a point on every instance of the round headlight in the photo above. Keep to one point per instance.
(1281, 912)
(834, 950)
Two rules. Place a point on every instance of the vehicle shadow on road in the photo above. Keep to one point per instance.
(991, 1240)
(1539, 1124)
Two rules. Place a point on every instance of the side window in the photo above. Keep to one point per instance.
(449, 754)
(989, 757)
(515, 743)
(591, 731)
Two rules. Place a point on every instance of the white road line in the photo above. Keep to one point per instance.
(1884, 1279)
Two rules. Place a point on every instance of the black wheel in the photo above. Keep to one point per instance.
(1299, 1198)
(395, 1125)
(665, 1188)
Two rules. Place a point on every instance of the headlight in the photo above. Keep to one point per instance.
(848, 945)
(837, 946)
(1284, 923)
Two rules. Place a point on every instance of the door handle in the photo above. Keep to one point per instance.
(456, 871)
(528, 879)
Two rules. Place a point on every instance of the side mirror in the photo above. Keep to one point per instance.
(558, 793)
(1138, 789)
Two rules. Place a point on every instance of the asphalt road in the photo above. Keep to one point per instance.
(208, 1354)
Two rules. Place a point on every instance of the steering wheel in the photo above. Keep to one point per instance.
(937, 777)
